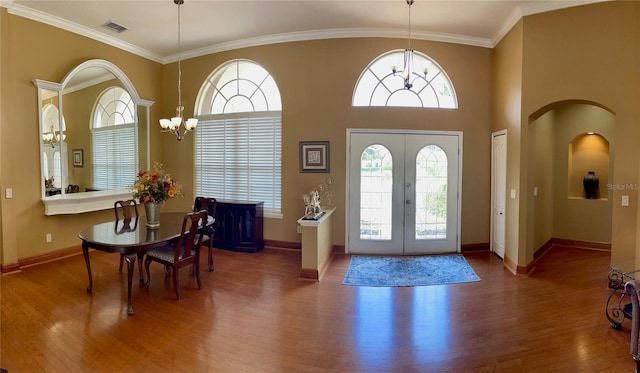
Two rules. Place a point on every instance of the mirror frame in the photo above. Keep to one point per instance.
(75, 203)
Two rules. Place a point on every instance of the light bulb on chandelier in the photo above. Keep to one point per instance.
(174, 124)
(52, 137)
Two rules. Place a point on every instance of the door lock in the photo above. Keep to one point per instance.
(408, 202)
(408, 185)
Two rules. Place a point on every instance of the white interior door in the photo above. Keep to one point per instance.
(498, 191)
(403, 192)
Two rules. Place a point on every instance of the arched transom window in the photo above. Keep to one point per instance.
(239, 138)
(114, 155)
(378, 85)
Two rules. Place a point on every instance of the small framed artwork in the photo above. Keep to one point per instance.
(314, 156)
(78, 157)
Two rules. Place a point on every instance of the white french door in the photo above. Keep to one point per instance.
(403, 192)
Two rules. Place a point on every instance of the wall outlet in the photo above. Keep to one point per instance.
(298, 229)
(48, 237)
(625, 201)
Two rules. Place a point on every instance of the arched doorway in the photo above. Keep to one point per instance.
(566, 140)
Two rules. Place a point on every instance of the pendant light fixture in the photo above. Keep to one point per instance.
(174, 124)
(407, 67)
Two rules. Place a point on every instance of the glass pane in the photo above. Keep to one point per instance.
(376, 185)
(431, 193)
(57, 170)
(247, 84)
(432, 90)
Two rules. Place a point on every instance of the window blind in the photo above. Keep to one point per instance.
(239, 158)
(114, 156)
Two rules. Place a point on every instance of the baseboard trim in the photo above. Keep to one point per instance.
(558, 242)
(283, 245)
(471, 247)
(336, 249)
(42, 258)
(581, 244)
(309, 274)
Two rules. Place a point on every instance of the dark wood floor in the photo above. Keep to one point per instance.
(254, 315)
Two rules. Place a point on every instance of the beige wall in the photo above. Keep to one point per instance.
(575, 217)
(590, 53)
(316, 81)
(33, 50)
(505, 111)
(559, 209)
(541, 207)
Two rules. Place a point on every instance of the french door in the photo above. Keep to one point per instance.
(403, 192)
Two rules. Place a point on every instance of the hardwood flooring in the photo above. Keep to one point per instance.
(253, 314)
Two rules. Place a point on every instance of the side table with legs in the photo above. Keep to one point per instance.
(618, 307)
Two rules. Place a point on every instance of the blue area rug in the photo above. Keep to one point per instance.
(408, 270)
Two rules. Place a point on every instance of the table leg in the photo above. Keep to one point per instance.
(615, 309)
(131, 261)
(85, 253)
(140, 255)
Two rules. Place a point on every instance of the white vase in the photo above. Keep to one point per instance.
(153, 214)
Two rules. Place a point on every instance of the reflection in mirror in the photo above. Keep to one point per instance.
(101, 131)
(94, 129)
(53, 135)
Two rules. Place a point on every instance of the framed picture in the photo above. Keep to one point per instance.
(78, 157)
(314, 156)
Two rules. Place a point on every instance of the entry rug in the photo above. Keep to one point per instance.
(408, 270)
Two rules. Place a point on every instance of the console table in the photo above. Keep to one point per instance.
(239, 226)
(618, 308)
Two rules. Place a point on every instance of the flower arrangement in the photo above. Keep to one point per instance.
(155, 187)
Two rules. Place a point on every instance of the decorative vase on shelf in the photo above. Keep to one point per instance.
(153, 214)
(591, 185)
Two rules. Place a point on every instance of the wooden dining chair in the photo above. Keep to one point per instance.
(125, 210)
(209, 204)
(182, 253)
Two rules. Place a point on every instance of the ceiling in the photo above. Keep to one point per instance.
(209, 26)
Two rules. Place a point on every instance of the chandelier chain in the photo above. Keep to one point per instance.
(410, 2)
(179, 2)
(174, 124)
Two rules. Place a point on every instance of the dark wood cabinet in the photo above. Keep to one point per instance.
(239, 226)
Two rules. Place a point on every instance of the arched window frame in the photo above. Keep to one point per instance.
(378, 85)
(238, 141)
(114, 140)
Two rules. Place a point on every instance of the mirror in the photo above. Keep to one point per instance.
(93, 137)
(52, 147)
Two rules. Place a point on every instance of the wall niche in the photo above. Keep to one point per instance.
(588, 152)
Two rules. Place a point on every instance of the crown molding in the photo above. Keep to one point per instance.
(328, 34)
(22, 11)
(536, 8)
(514, 17)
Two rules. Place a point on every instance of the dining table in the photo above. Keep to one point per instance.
(131, 238)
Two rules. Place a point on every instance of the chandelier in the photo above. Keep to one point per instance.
(52, 137)
(174, 124)
(407, 67)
